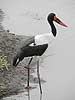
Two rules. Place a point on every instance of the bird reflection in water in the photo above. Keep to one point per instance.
(28, 91)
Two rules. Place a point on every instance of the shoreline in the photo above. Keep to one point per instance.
(13, 80)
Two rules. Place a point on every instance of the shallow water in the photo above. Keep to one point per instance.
(29, 18)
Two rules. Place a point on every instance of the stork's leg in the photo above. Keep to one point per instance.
(28, 73)
(28, 94)
(38, 74)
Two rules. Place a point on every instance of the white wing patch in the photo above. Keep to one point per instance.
(43, 38)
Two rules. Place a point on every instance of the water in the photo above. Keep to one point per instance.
(29, 18)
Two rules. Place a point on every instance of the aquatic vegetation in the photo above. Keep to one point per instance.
(3, 62)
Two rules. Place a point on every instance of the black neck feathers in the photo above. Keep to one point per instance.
(50, 21)
(53, 29)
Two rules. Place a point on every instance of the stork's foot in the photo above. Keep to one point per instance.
(27, 67)
(28, 87)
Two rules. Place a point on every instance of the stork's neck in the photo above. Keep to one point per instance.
(53, 28)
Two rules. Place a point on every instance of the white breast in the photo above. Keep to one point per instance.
(43, 38)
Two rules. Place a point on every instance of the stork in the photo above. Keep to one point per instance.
(37, 45)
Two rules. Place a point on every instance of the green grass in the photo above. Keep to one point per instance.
(3, 62)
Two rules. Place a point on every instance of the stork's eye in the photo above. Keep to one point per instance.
(55, 18)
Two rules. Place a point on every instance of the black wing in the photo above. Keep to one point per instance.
(21, 50)
(28, 42)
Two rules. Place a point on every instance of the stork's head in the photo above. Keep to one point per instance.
(52, 17)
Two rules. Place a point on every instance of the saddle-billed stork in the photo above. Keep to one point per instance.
(40, 44)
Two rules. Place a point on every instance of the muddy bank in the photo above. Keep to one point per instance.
(13, 80)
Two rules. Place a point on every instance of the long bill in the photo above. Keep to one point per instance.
(59, 21)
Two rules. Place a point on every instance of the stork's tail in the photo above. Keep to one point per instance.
(15, 62)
